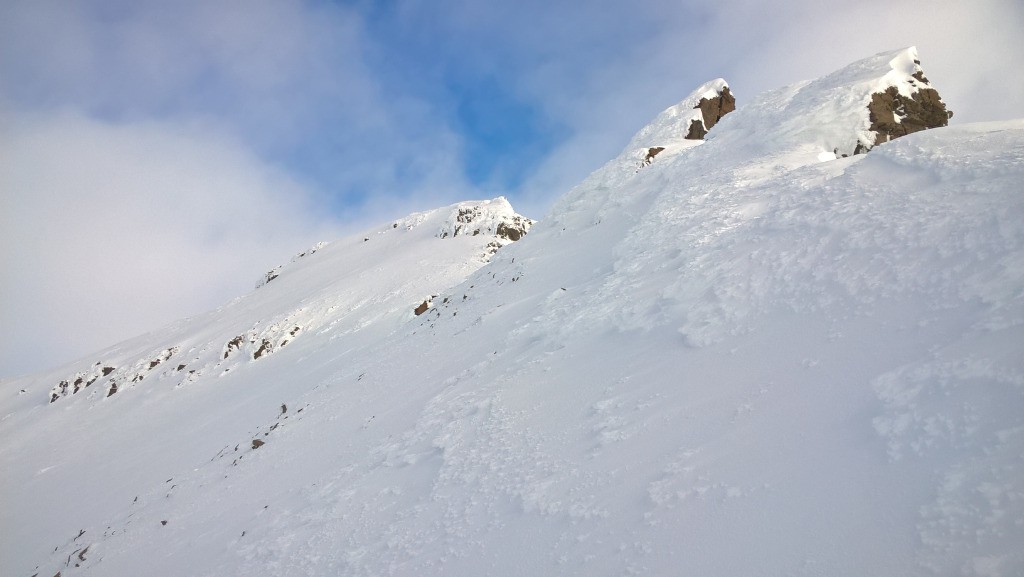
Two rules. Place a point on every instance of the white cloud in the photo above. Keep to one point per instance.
(109, 231)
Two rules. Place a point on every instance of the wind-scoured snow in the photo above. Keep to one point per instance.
(738, 360)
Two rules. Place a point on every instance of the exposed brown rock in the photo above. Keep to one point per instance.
(652, 152)
(265, 348)
(233, 344)
(422, 308)
(712, 109)
(893, 115)
(512, 231)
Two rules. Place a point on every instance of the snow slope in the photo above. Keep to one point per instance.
(738, 360)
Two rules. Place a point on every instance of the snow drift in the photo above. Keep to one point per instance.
(751, 356)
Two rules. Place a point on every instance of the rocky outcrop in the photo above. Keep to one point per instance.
(893, 115)
(905, 103)
(712, 109)
(489, 217)
(117, 378)
(682, 125)
(650, 153)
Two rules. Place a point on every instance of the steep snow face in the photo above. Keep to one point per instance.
(738, 360)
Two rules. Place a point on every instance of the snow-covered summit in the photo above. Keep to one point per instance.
(494, 218)
(849, 111)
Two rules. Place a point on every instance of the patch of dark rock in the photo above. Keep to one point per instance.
(265, 349)
(422, 308)
(512, 233)
(107, 370)
(164, 522)
(113, 389)
(712, 110)
(651, 153)
(181, 367)
(257, 443)
(893, 115)
(233, 344)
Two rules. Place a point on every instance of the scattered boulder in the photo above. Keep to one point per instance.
(79, 381)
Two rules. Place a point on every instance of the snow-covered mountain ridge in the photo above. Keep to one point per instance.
(345, 285)
(748, 356)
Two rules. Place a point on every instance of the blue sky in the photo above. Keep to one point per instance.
(157, 157)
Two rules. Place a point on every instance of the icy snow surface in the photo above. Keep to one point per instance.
(738, 360)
